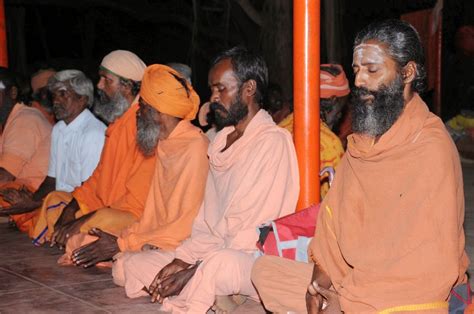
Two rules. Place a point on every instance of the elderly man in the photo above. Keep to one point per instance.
(253, 178)
(389, 237)
(76, 142)
(114, 196)
(168, 103)
(24, 146)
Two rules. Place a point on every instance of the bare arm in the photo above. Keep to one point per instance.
(48, 185)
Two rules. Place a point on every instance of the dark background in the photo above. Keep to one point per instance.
(77, 34)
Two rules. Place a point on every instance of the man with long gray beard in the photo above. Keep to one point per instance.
(389, 237)
(167, 103)
(253, 178)
(114, 196)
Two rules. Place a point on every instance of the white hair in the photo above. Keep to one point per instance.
(77, 80)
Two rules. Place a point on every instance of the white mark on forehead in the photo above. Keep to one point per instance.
(368, 53)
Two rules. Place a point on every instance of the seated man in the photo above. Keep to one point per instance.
(24, 146)
(389, 236)
(77, 141)
(167, 105)
(114, 196)
(333, 86)
(253, 178)
(41, 99)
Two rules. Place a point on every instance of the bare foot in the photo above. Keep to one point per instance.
(226, 304)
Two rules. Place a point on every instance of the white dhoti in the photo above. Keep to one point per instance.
(225, 272)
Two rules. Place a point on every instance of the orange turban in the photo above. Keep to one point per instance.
(40, 79)
(165, 93)
(333, 85)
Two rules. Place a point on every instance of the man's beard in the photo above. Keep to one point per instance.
(110, 108)
(59, 112)
(377, 117)
(223, 117)
(148, 133)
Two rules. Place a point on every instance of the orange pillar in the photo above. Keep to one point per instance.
(306, 33)
(3, 37)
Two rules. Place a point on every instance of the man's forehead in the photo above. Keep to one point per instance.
(222, 71)
(369, 53)
(106, 73)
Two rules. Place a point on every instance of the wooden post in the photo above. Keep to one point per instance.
(306, 45)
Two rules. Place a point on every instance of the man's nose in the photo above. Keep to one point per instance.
(214, 97)
(100, 83)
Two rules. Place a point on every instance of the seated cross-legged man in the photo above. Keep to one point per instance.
(253, 178)
(76, 142)
(168, 103)
(389, 236)
(114, 196)
(25, 137)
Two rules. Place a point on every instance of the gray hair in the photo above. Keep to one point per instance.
(77, 80)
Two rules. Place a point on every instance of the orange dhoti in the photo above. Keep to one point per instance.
(108, 219)
(24, 222)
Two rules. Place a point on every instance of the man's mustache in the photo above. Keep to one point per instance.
(215, 106)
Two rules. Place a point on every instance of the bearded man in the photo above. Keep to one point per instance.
(253, 178)
(114, 196)
(167, 103)
(389, 236)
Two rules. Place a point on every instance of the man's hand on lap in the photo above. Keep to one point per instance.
(172, 268)
(103, 249)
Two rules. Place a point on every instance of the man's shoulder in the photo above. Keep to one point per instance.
(93, 125)
(27, 117)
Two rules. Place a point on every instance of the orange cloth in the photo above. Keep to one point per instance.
(40, 79)
(162, 91)
(25, 144)
(176, 192)
(24, 152)
(24, 222)
(122, 177)
(390, 232)
(331, 150)
(333, 85)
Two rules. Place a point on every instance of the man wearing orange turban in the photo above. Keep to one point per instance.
(168, 103)
(114, 196)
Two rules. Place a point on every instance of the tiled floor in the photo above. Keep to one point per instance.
(31, 282)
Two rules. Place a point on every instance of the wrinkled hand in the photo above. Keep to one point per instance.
(14, 196)
(63, 233)
(173, 284)
(331, 299)
(103, 249)
(172, 268)
(21, 200)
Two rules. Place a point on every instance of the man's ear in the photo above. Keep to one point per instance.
(250, 88)
(409, 72)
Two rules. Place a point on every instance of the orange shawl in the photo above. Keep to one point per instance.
(390, 232)
(176, 192)
(122, 177)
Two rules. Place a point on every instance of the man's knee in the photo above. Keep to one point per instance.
(259, 270)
